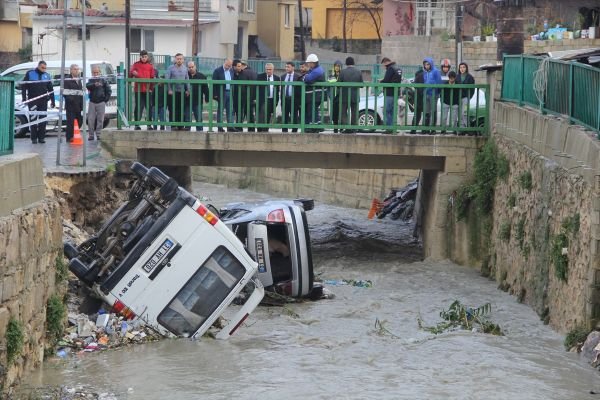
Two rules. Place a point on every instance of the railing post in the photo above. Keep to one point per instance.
(522, 81)
(303, 109)
(121, 95)
(571, 86)
(210, 104)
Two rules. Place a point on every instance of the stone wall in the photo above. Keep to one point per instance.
(563, 161)
(30, 242)
(348, 188)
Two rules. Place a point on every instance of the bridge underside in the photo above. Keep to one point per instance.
(287, 159)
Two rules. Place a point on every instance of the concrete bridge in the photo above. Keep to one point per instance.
(445, 161)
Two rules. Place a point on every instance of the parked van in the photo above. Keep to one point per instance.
(164, 257)
(22, 116)
(276, 235)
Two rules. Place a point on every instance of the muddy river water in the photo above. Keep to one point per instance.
(332, 349)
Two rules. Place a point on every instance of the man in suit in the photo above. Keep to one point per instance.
(73, 94)
(268, 96)
(222, 92)
(349, 96)
(291, 96)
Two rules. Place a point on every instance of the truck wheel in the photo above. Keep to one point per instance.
(70, 251)
(79, 269)
(139, 169)
(157, 177)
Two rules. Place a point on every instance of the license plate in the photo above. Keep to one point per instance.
(158, 256)
(260, 255)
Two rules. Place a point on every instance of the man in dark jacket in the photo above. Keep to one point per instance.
(198, 93)
(393, 74)
(36, 90)
(291, 97)
(73, 94)
(222, 92)
(99, 91)
(268, 96)
(349, 96)
(249, 99)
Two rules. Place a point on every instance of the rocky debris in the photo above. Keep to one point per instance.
(590, 351)
(399, 203)
(105, 331)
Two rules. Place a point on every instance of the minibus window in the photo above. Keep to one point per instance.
(202, 294)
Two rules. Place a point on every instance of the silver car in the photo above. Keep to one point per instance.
(276, 235)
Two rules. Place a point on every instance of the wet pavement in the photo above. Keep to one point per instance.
(68, 158)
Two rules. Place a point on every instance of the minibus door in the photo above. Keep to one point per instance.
(258, 246)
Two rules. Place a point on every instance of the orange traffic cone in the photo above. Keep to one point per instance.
(77, 139)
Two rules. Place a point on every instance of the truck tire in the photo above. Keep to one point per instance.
(139, 169)
(78, 268)
(157, 177)
(70, 251)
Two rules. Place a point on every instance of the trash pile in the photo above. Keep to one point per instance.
(399, 203)
(105, 331)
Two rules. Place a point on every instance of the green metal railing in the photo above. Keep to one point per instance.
(553, 86)
(7, 115)
(317, 107)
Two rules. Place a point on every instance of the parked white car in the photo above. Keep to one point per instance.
(22, 115)
(371, 110)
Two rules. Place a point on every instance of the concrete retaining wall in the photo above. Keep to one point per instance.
(564, 162)
(30, 241)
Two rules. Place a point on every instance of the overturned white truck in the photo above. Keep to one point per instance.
(167, 259)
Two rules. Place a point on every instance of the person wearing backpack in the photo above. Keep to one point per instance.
(393, 74)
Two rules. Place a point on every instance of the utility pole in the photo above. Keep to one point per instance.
(344, 26)
(458, 33)
(195, 28)
(61, 103)
(302, 47)
(127, 34)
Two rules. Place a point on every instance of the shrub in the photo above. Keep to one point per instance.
(14, 340)
(526, 181)
(55, 314)
(504, 231)
(576, 336)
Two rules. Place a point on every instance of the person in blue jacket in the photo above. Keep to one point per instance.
(37, 90)
(314, 93)
(431, 75)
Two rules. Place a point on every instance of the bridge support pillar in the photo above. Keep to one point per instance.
(436, 189)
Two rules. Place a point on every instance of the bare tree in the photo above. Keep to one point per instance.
(373, 9)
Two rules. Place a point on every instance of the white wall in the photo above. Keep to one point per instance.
(108, 42)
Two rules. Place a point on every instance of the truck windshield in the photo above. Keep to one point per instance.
(202, 294)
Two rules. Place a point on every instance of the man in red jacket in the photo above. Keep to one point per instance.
(142, 91)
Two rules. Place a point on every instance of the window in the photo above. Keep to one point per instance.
(250, 5)
(431, 14)
(286, 15)
(202, 294)
(142, 39)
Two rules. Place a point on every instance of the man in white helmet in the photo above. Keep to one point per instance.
(314, 94)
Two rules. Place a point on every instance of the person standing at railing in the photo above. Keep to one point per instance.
(36, 90)
(249, 95)
(291, 97)
(416, 96)
(349, 97)
(73, 94)
(222, 92)
(314, 93)
(238, 95)
(99, 92)
(431, 75)
(199, 92)
(160, 102)
(268, 96)
(445, 67)
(450, 102)
(142, 91)
(393, 74)
(178, 92)
(465, 78)
(334, 94)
